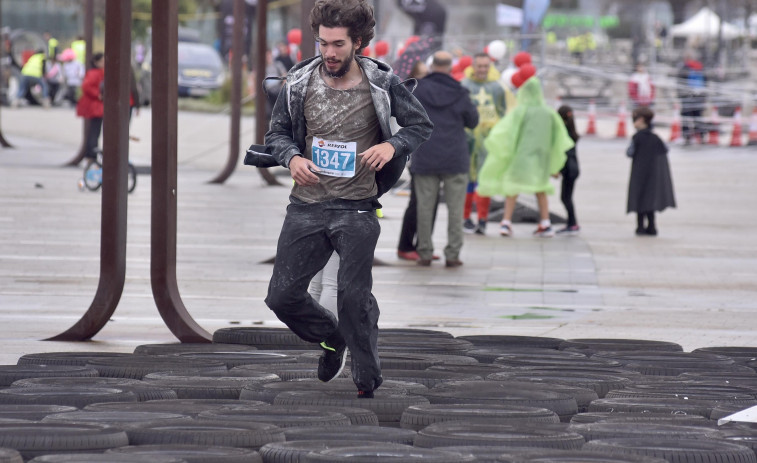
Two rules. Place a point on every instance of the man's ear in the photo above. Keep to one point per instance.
(358, 43)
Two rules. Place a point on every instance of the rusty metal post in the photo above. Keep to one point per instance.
(237, 51)
(165, 289)
(308, 41)
(89, 28)
(3, 141)
(115, 168)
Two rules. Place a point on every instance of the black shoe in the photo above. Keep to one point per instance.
(650, 231)
(640, 232)
(332, 361)
(481, 228)
(364, 394)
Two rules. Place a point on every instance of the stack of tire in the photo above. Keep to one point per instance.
(252, 396)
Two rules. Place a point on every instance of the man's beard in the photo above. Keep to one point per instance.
(343, 69)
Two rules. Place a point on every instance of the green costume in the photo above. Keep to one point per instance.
(525, 147)
(489, 99)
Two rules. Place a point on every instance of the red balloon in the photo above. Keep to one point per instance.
(517, 80)
(521, 58)
(527, 71)
(382, 48)
(294, 36)
(465, 61)
(412, 39)
(366, 51)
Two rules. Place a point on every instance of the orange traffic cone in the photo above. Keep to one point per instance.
(592, 128)
(621, 132)
(714, 136)
(675, 126)
(753, 128)
(736, 134)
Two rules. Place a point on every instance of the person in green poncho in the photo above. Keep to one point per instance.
(525, 148)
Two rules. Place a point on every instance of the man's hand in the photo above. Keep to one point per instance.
(377, 156)
(302, 171)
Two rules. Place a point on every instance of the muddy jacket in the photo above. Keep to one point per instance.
(286, 136)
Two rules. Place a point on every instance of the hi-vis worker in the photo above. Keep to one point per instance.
(52, 45)
(33, 74)
(79, 46)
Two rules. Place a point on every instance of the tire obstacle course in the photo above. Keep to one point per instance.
(252, 396)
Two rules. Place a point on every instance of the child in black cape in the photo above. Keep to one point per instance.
(650, 188)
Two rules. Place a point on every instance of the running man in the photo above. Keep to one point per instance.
(332, 131)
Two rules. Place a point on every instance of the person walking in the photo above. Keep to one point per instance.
(489, 98)
(650, 188)
(641, 90)
(333, 133)
(90, 105)
(73, 73)
(525, 148)
(692, 91)
(444, 160)
(569, 173)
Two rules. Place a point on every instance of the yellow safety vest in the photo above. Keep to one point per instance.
(35, 66)
(52, 47)
(80, 48)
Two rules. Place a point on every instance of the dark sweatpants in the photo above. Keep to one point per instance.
(311, 232)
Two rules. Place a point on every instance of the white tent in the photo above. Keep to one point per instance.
(704, 24)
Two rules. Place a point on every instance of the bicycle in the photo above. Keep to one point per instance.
(93, 174)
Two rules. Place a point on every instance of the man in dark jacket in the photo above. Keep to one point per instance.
(444, 160)
(331, 128)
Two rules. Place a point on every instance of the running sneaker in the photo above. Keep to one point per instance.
(505, 230)
(544, 232)
(331, 363)
(481, 228)
(469, 227)
(569, 231)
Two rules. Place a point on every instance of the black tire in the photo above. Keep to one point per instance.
(410, 332)
(32, 412)
(738, 354)
(360, 434)
(191, 453)
(562, 400)
(131, 178)
(419, 344)
(184, 347)
(400, 361)
(235, 359)
(267, 392)
(428, 378)
(387, 406)
(137, 366)
(418, 417)
(11, 373)
(35, 439)
(480, 369)
(675, 450)
(142, 390)
(10, 456)
(101, 458)
(490, 354)
(75, 397)
(641, 418)
(561, 456)
(93, 175)
(653, 405)
(66, 358)
(515, 361)
(601, 384)
(700, 391)
(471, 433)
(500, 341)
(604, 344)
(283, 417)
(379, 453)
(594, 431)
(212, 433)
(262, 338)
(118, 419)
(190, 407)
(198, 387)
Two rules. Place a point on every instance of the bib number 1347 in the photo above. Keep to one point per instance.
(334, 158)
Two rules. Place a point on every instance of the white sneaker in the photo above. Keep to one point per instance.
(505, 230)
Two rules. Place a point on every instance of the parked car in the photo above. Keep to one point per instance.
(200, 71)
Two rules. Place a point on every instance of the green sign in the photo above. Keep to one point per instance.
(552, 21)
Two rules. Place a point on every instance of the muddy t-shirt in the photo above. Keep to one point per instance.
(340, 124)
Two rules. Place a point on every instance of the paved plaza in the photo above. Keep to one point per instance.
(694, 284)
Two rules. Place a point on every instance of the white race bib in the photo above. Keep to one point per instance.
(335, 158)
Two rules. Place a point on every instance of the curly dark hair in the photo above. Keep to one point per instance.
(355, 15)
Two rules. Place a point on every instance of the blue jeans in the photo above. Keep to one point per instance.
(28, 82)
